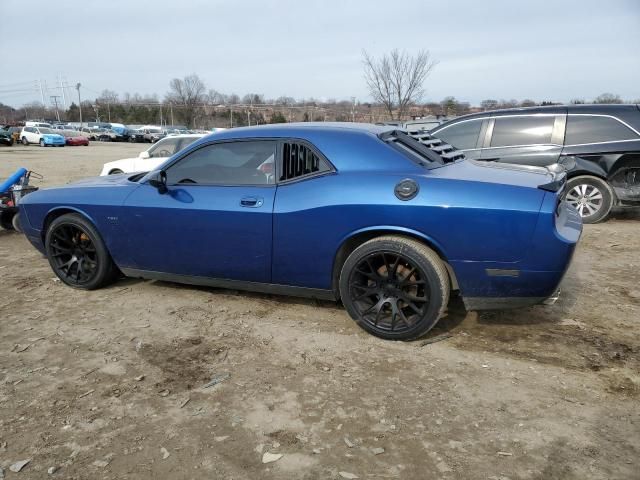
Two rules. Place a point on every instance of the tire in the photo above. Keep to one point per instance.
(15, 222)
(115, 171)
(6, 219)
(25, 141)
(394, 287)
(72, 241)
(42, 143)
(591, 196)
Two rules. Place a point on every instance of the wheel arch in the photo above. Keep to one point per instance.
(58, 212)
(352, 241)
(585, 167)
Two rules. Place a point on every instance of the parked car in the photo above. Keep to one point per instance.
(151, 158)
(107, 135)
(5, 136)
(152, 135)
(136, 136)
(73, 138)
(90, 133)
(353, 211)
(418, 125)
(603, 140)
(43, 136)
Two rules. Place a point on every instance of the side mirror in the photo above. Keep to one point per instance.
(159, 181)
(144, 155)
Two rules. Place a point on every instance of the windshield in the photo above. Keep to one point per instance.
(46, 130)
(154, 130)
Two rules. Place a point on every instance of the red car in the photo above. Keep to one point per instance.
(75, 139)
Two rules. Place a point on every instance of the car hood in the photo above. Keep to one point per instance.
(52, 135)
(498, 173)
(105, 181)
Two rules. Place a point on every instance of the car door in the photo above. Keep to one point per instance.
(33, 135)
(465, 135)
(534, 139)
(215, 220)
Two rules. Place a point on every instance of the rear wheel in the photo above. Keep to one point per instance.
(591, 196)
(42, 143)
(394, 287)
(77, 254)
(115, 171)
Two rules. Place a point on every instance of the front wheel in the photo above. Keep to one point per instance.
(591, 196)
(394, 287)
(25, 141)
(77, 254)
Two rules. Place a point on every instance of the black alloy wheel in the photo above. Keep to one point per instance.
(77, 254)
(395, 288)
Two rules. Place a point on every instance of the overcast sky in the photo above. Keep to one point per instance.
(556, 50)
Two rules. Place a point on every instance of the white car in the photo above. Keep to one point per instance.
(41, 135)
(148, 160)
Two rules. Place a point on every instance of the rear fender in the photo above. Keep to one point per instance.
(586, 167)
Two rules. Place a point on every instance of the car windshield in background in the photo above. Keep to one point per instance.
(413, 149)
(46, 130)
(155, 130)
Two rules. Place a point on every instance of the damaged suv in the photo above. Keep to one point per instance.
(604, 141)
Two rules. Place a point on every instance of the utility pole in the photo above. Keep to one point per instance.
(64, 98)
(78, 85)
(41, 92)
(353, 109)
(54, 99)
(171, 111)
(160, 114)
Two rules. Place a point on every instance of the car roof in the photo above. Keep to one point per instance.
(556, 109)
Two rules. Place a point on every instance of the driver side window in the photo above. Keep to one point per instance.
(232, 163)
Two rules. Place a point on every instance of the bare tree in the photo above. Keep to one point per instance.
(396, 79)
(607, 98)
(189, 93)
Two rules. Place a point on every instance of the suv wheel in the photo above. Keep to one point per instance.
(25, 141)
(591, 196)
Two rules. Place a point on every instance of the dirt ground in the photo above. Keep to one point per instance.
(109, 384)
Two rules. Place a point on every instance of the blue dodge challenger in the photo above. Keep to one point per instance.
(387, 223)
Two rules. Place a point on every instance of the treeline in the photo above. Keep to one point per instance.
(189, 102)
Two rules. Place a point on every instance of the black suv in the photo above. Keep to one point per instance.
(604, 141)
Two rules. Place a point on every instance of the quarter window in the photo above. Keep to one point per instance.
(232, 163)
(299, 160)
(511, 131)
(591, 129)
(463, 135)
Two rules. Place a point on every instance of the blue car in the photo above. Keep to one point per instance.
(388, 224)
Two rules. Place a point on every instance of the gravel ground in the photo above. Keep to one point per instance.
(109, 384)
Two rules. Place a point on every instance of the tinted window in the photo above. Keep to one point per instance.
(587, 129)
(463, 135)
(522, 131)
(299, 160)
(164, 148)
(237, 163)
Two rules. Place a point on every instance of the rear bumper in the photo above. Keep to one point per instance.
(532, 280)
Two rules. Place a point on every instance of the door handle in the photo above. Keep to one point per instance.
(251, 202)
